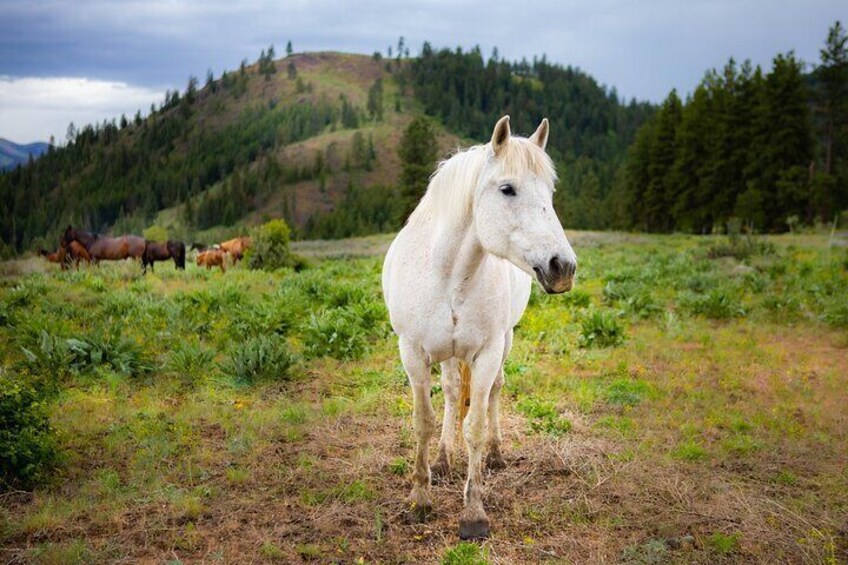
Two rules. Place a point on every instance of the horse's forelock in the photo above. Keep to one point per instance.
(452, 185)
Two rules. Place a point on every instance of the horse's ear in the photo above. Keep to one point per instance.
(500, 136)
(540, 136)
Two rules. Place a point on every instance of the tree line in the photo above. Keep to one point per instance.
(769, 148)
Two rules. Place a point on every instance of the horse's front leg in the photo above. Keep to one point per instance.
(450, 388)
(473, 522)
(417, 369)
(494, 458)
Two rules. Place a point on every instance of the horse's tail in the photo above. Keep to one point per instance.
(464, 390)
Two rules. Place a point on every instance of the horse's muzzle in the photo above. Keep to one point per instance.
(557, 276)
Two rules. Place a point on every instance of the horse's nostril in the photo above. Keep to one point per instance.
(555, 265)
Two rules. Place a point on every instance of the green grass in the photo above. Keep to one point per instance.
(266, 416)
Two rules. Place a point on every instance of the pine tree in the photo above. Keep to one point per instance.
(661, 191)
(289, 49)
(417, 153)
(832, 190)
(375, 100)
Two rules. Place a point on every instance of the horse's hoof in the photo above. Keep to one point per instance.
(495, 461)
(418, 513)
(474, 529)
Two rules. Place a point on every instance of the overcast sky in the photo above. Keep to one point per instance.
(86, 60)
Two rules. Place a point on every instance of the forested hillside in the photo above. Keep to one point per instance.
(591, 127)
(767, 147)
(313, 138)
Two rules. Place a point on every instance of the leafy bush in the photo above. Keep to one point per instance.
(601, 328)
(110, 348)
(270, 248)
(336, 333)
(259, 358)
(717, 304)
(189, 361)
(28, 449)
(643, 305)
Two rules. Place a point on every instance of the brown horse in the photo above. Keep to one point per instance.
(77, 252)
(103, 248)
(59, 256)
(212, 258)
(162, 250)
(236, 247)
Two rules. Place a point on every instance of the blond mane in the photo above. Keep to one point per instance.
(450, 193)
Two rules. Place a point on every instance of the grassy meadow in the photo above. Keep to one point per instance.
(686, 403)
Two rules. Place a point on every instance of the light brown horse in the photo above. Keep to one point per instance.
(236, 247)
(59, 256)
(77, 252)
(212, 258)
(103, 248)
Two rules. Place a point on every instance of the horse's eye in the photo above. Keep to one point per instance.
(507, 190)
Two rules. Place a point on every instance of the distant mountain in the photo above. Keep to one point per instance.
(13, 154)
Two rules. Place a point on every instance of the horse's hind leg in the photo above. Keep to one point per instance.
(494, 459)
(450, 388)
(418, 371)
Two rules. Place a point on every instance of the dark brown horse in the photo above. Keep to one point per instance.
(103, 248)
(162, 250)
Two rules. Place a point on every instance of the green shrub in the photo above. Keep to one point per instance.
(544, 416)
(270, 247)
(28, 449)
(109, 348)
(465, 553)
(336, 333)
(643, 305)
(47, 360)
(259, 358)
(717, 304)
(601, 328)
(577, 298)
(189, 361)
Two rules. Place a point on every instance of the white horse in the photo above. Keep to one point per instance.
(456, 281)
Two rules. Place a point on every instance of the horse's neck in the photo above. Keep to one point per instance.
(457, 254)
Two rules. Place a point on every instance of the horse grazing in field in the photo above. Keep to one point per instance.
(163, 250)
(59, 256)
(77, 252)
(212, 258)
(236, 247)
(199, 247)
(456, 281)
(103, 248)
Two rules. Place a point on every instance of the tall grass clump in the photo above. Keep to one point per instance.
(740, 243)
(716, 304)
(601, 328)
(189, 361)
(257, 359)
(337, 333)
(28, 448)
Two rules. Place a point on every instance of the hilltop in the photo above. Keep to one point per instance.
(303, 136)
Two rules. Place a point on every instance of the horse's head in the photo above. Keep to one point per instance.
(513, 208)
(69, 236)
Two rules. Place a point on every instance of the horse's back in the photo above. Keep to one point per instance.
(135, 245)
